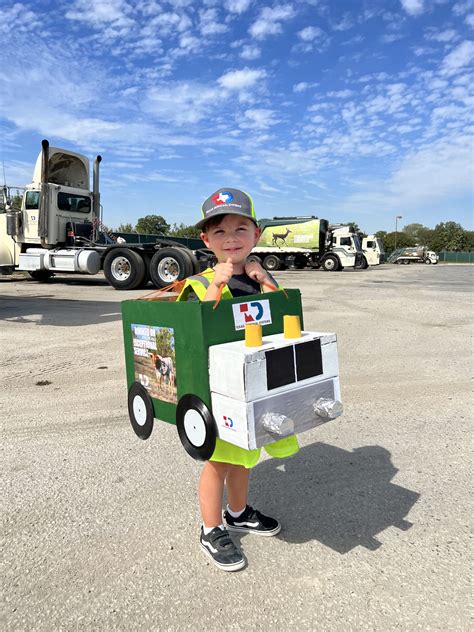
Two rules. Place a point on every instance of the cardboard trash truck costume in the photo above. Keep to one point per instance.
(207, 369)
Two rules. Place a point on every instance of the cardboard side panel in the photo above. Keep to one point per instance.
(231, 419)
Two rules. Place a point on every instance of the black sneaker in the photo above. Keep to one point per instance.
(252, 521)
(222, 551)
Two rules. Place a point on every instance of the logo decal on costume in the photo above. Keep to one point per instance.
(224, 197)
(254, 312)
(228, 423)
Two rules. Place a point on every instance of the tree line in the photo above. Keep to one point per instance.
(444, 236)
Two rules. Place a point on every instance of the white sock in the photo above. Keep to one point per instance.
(207, 530)
(236, 514)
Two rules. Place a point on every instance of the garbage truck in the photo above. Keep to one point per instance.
(59, 228)
(307, 241)
(418, 254)
(244, 371)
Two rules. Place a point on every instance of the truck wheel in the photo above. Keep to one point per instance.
(140, 410)
(428, 261)
(169, 265)
(330, 263)
(41, 275)
(272, 263)
(124, 269)
(255, 258)
(196, 427)
(196, 268)
(363, 265)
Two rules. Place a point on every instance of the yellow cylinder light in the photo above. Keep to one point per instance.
(291, 326)
(253, 335)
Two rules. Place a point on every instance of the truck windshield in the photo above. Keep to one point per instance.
(72, 202)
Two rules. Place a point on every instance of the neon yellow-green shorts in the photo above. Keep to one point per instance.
(228, 453)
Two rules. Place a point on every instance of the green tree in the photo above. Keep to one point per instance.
(392, 241)
(181, 230)
(152, 225)
(125, 228)
(449, 236)
(415, 231)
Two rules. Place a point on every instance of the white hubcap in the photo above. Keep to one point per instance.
(139, 410)
(194, 428)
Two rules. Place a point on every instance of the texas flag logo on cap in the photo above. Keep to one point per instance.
(224, 197)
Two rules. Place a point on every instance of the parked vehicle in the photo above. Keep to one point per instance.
(300, 242)
(374, 253)
(419, 254)
(59, 229)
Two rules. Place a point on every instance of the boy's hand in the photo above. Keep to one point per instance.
(223, 273)
(255, 271)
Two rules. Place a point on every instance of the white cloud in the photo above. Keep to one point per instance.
(341, 94)
(210, 23)
(18, 17)
(302, 86)
(237, 6)
(441, 36)
(461, 56)
(310, 33)
(101, 12)
(413, 7)
(250, 52)
(260, 118)
(461, 8)
(470, 20)
(181, 103)
(241, 79)
(269, 20)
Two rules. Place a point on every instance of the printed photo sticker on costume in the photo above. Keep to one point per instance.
(154, 360)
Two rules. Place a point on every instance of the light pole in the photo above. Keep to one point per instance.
(397, 217)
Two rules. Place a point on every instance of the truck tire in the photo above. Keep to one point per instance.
(124, 269)
(330, 263)
(272, 263)
(169, 265)
(427, 261)
(193, 259)
(196, 427)
(255, 258)
(140, 410)
(363, 265)
(41, 275)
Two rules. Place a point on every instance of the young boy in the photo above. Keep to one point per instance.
(229, 228)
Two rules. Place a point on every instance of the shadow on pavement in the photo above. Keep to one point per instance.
(341, 498)
(47, 310)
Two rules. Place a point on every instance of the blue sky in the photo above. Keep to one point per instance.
(347, 110)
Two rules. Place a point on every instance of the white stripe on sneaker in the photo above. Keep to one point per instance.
(246, 524)
(209, 546)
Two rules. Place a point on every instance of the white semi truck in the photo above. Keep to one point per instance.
(59, 229)
(307, 241)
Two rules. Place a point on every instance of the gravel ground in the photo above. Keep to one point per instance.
(100, 530)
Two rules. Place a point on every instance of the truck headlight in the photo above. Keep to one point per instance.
(327, 408)
(278, 424)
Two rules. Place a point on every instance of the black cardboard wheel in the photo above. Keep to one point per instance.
(196, 427)
(140, 410)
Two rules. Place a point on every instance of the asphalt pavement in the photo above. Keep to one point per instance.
(100, 529)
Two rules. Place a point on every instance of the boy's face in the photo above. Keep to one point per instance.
(233, 238)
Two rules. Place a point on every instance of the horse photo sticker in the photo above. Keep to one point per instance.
(155, 361)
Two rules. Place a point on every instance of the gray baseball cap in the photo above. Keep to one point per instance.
(227, 201)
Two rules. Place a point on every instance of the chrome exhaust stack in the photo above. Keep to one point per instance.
(96, 214)
(43, 215)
